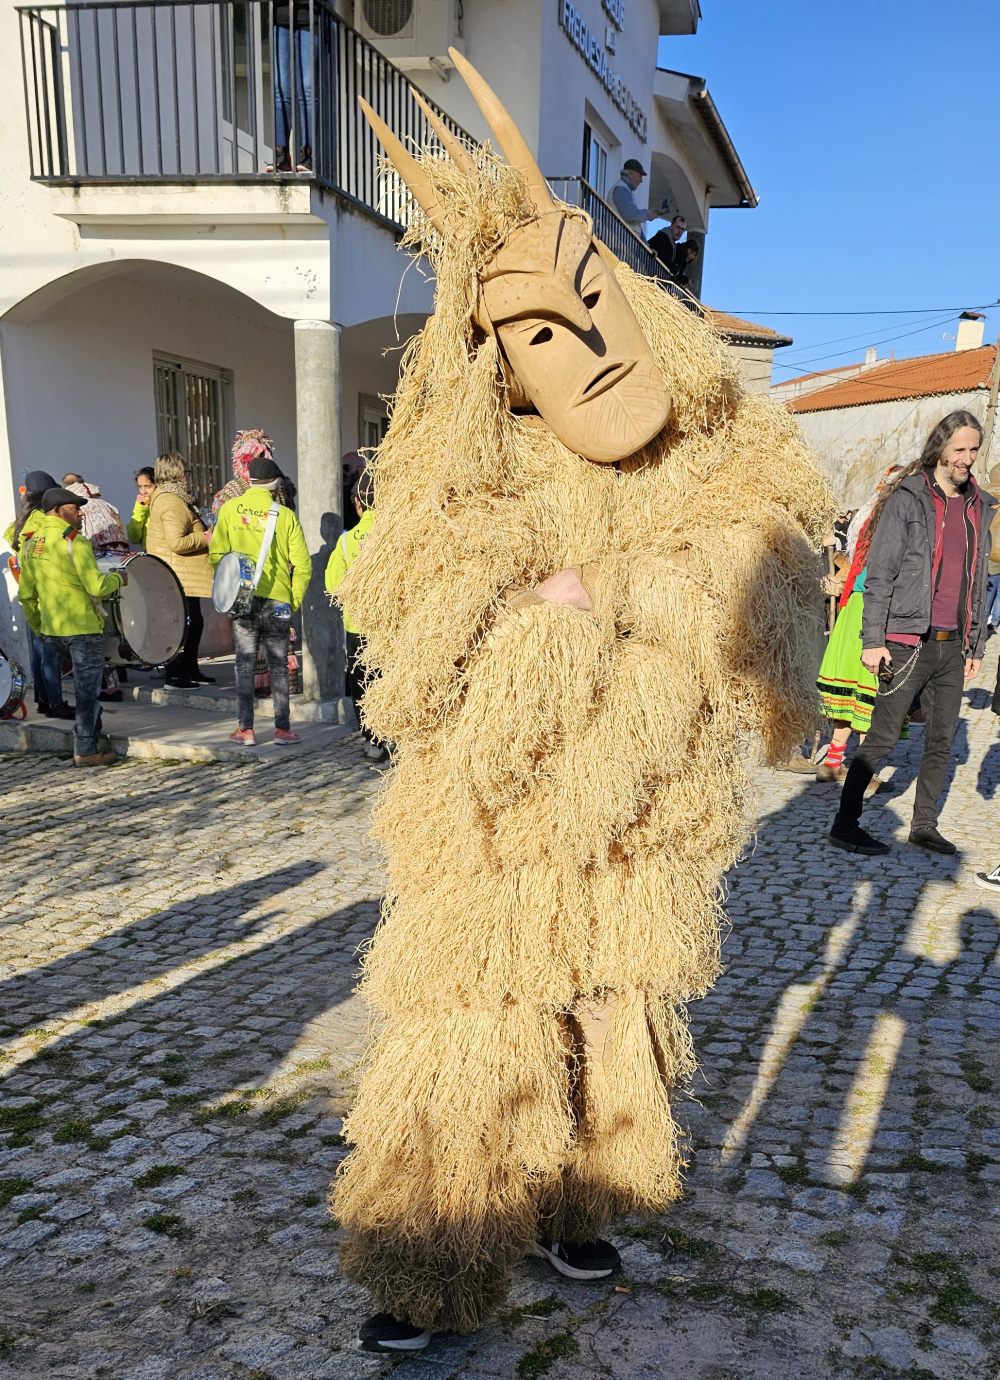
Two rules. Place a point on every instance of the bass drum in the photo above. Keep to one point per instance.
(150, 614)
(11, 688)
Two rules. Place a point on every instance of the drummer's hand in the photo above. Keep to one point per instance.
(124, 576)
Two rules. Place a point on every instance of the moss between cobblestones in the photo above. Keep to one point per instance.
(544, 1354)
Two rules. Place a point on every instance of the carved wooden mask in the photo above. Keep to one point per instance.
(572, 345)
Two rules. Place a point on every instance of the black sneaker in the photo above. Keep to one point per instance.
(386, 1333)
(932, 840)
(580, 1260)
(989, 881)
(858, 840)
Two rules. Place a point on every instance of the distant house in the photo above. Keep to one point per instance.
(880, 413)
(753, 346)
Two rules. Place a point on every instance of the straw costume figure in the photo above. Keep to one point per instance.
(593, 576)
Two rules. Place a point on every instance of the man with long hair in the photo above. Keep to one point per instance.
(923, 629)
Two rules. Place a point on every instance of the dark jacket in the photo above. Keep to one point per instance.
(898, 592)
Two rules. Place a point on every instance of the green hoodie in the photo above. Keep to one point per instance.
(343, 556)
(137, 524)
(240, 527)
(60, 580)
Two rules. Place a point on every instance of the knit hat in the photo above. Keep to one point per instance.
(263, 471)
(37, 482)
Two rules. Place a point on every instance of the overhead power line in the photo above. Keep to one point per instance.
(903, 311)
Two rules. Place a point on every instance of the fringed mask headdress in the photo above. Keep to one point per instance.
(571, 345)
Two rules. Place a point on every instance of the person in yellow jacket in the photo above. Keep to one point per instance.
(60, 591)
(284, 580)
(145, 483)
(344, 554)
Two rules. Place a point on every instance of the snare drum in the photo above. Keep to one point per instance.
(233, 585)
(11, 688)
(150, 613)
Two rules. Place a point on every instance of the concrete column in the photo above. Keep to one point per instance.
(320, 501)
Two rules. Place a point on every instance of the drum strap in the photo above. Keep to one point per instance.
(265, 546)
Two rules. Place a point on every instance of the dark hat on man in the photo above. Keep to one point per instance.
(56, 497)
(37, 482)
(263, 471)
(633, 165)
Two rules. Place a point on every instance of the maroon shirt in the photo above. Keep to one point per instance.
(944, 605)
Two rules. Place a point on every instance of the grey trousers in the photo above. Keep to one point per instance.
(937, 678)
(86, 651)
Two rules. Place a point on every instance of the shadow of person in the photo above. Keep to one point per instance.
(162, 942)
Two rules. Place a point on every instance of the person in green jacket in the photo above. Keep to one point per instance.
(284, 580)
(343, 556)
(60, 591)
(139, 521)
(46, 667)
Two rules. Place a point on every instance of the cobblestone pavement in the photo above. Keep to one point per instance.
(180, 1042)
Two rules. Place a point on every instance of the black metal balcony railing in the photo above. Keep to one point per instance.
(620, 238)
(235, 90)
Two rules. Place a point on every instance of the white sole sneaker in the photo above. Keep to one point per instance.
(570, 1271)
(987, 881)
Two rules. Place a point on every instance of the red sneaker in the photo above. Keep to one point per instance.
(285, 735)
(243, 736)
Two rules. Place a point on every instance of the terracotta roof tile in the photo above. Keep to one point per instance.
(736, 328)
(924, 376)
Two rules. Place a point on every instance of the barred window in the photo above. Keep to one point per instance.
(193, 408)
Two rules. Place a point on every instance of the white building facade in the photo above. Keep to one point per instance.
(198, 237)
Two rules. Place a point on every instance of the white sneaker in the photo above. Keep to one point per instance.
(989, 881)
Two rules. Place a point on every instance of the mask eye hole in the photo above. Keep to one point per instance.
(540, 337)
(591, 300)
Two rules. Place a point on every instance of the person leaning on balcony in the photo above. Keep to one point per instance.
(665, 244)
(686, 254)
(60, 592)
(177, 535)
(623, 197)
(139, 521)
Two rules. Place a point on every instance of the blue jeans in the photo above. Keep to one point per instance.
(283, 103)
(86, 651)
(993, 600)
(263, 625)
(46, 672)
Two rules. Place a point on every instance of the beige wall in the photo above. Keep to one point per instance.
(856, 445)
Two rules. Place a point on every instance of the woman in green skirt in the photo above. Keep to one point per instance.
(846, 688)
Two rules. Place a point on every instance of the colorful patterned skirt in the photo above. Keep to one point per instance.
(846, 688)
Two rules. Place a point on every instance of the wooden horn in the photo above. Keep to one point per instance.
(454, 147)
(508, 136)
(412, 173)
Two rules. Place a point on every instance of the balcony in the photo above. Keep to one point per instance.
(197, 91)
(620, 238)
(141, 92)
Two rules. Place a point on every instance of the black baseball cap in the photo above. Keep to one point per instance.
(263, 470)
(633, 165)
(56, 497)
(37, 482)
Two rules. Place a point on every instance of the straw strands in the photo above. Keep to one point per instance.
(569, 786)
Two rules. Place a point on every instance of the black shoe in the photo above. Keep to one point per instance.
(62, 711)
(858, 840)
(180, 684)
(199, 679)
(111, 696)
(384, 1333)
(580, 1260)
(932, 840)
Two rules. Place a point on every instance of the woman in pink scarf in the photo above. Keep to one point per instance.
(247, 446)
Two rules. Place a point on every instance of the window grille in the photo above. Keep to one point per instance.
(192, 405)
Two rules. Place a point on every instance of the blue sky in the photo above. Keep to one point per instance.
(870, 133)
